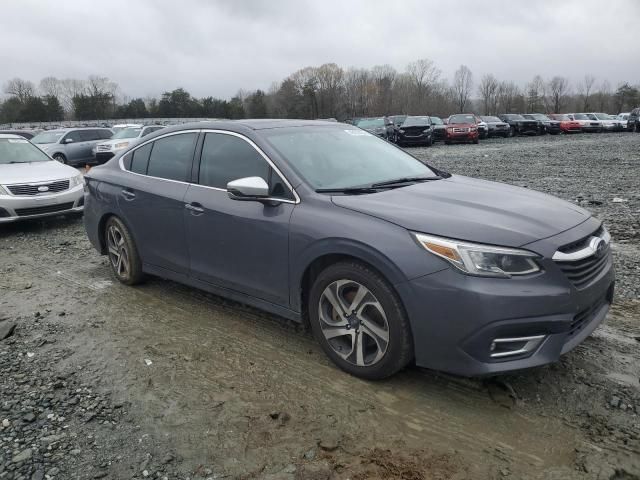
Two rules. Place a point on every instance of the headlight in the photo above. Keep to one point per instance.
(75, 181)
(478, 259)
(473, 129)
(120, 146)
(450, 129)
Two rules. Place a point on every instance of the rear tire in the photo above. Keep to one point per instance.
(360, 321)
(60, 158)
(123, 255)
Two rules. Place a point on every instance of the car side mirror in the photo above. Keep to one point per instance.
(68, 140)
(248, 189)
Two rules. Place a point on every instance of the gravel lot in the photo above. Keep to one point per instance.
(99, 380)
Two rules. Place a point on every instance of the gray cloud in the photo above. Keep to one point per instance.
(215, 48)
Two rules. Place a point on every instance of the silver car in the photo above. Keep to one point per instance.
(71, 145)
(124, 137)
(33, 185)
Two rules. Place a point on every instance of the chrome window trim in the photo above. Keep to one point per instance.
(224, 132)
(585, 252)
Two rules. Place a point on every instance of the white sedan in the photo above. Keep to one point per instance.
(33, 185)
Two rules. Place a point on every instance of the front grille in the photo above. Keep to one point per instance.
(26, 190)
(460, 130)
(583, 317)
(580, 244)
(582, 272)
(23, 212)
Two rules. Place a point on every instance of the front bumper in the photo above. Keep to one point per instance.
(14, 208)
(417, 140)
(461, 136)
(456, 318)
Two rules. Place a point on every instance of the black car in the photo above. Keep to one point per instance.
(398, 119)
(415, 131)
(633, 122)
(22, 133)
(518, 125)
(497, 128)
(438, 128)
(545, 124)
(382, 127)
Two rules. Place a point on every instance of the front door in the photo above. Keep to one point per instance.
(239, 245)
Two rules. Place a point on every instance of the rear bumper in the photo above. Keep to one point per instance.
(456, 318)
(14, 208)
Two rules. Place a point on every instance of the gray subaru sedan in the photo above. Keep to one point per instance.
(389, 260)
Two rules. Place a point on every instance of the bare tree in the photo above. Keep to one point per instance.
(558, 91)
(423, 75)
(50, 86)
(70, 87)
(604, 96)
(19, 88)
(462, 84)
(330, 87)
(508, 93)
(584, 91)
(536, 95)
(383, 76)
(488, 90)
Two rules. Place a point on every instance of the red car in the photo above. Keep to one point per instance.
(566, 124)
(461, 128)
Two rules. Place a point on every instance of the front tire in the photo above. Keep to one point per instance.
(60, 158)
(123, 255)
(359, 321)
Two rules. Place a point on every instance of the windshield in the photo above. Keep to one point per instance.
(513, 116)
(538, 116)
(343, 158)
(580, 116)
(564, 118)
(127, 133)
(437, 121)
(370, 123)
(462, 119)
(491, 119)
(416, 122)
(48, 137)
(19, 150)
(603, 116)
(591, 116)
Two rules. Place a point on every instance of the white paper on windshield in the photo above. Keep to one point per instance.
(17, 140)
(357, 133)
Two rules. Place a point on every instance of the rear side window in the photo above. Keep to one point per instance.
(226, 158)
(171, 157)
(140, 159)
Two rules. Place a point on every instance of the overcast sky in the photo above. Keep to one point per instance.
(216, 47)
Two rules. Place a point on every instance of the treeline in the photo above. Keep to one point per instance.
(327, 91)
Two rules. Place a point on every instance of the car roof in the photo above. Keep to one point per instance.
(240, 126)
(69, 129)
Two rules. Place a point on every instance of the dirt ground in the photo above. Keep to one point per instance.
(100, 380)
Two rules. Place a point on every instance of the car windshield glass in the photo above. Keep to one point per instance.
(513, 116)
(602, 116)
(561, 117)
(437, 121)
(580, 116)
(337, 158)
(539, 116)
(127, 133)
(416, 122)
(491, 119)
(47, 137)
(19, 150)
(370, 123)
(591, 116)
(462, 119)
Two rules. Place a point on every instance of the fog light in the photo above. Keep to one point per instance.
(508, 347)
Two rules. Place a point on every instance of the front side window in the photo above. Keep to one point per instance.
(331, 157)
(47, 137)
(171, 157)
(73, 136)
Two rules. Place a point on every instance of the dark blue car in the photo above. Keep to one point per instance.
(389, 260)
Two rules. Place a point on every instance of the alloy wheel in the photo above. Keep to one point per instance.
(118, 253)
(353, 322)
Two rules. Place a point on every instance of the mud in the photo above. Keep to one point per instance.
(183, 384)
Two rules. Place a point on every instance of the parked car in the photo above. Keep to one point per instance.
(633, 122)
(518, 125)
(461, 128)
(588, 123)
(545, 124)
(439, 128)
(609, 123)
(71, 145)
(28, 134)
(623, 119)
(381, 126)
(103, 151)
(483, 128)
(387, 258)
(397, 119)
(497, 128)
(414, 130)
(120, 126)
(567, 125)
(32, 185)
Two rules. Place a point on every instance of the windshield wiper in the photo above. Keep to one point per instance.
(352, 190)
(399, 181)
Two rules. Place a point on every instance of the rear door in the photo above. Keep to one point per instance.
(152, 201)
(239, 245)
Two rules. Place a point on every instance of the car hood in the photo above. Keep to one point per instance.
(119, 140)
(35, 172)
(470, 209)
(45, 146)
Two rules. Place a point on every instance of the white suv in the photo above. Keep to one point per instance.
(121, 140)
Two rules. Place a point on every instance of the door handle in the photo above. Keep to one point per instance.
(129, 195)
(194, 207)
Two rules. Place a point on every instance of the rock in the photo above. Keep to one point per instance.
(310, 454)
(619, 200)
(75, 452)
(6, 423)
(38, 475)
(7, 329)
(145, 473)
(330, 442)
(274, 415)
(29, 417)
(23, 456)
(52, 472)
(615, 402)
